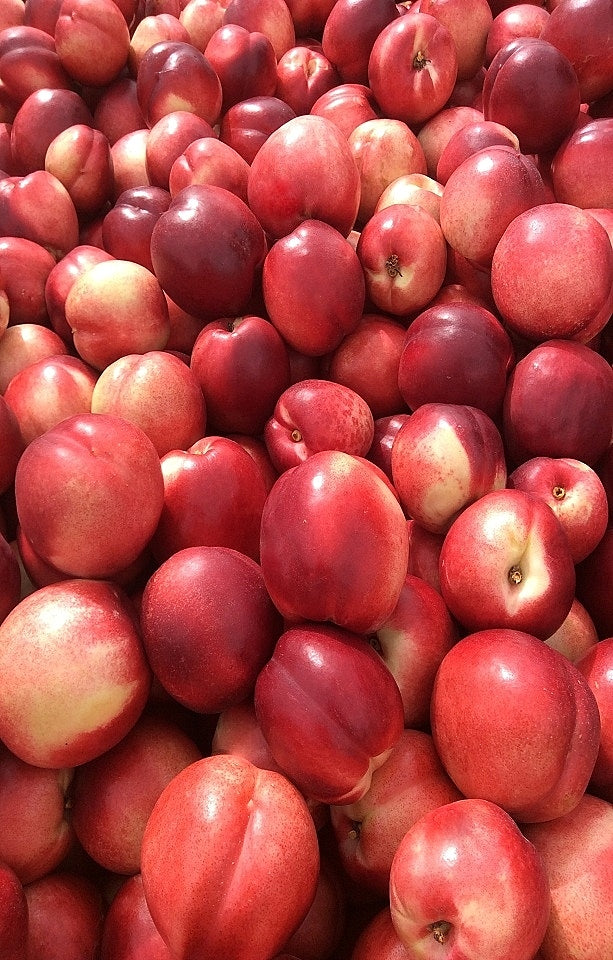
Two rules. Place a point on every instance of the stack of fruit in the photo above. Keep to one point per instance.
(306, 480)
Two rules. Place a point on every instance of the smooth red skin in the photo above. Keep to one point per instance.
(270, 17)
(80, 158)
(315, 415)
(503, 529)
(230, 513)
(594, 584)
(418, 93)
(184, 330)
(60, 279)
(158, 392)
(347, 105)
(558, 404)
(197, 839)
(74, 526)
(326, 735)
(410, 782)
(383, 150)
(24, 268)
(578, 896)
(456, 352)
(245, 63)
(65, 915)
(27, 45)
(24, 344)
(514, 22)
(128, 932)
(115, 308)
(349, 33)
(128, 225)
(413, 642)
(210, 161)
(36, 833)
(468, 140)
(155, 26)
(117, 111)
(415, 189)
(604, 469)
(295, 269)
(42, 14)
(468, 23)
(113, 795)
(167, 140)
(582, 507)
(596, 667)
(238, 732)
(256, 448)
(328, 188)
(202, 18)
(489, 852)
(532, 88)
(48, 391)
(242, 367)
(379, 940)
(579, 166)
(247, 124)
(581, 31)
(438, 130)
(314, 573)
(367, 361)
(40, 118)
(38, 207)
(84, 28)
(415, 238)
(424, 554)
(6, 158)
(129, 156)
(174, 75)
(220, 622)
(10, 579)
(303, 76)
(320, 933)
(97, 616)
(475, 211)
(11, 445)
(532, 715)
(445, 457)
(40, 573)
(207, 251)
(380, 452)
(13, 914)
(577, 634)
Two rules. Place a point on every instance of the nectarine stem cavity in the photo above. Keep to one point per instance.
(515, 574)
(391, 265)
(419, 61)
(559, 492)
(296, 436)
(440, 930)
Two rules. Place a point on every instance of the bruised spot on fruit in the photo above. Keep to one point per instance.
(296, 436)
(419, 61)
(515, 575)
(440, 930)
(559, 492)
(391, 265)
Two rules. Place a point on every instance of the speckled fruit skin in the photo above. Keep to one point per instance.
(230, 861)
(515, 722)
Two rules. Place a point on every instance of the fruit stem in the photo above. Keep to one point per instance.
(440, 930)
